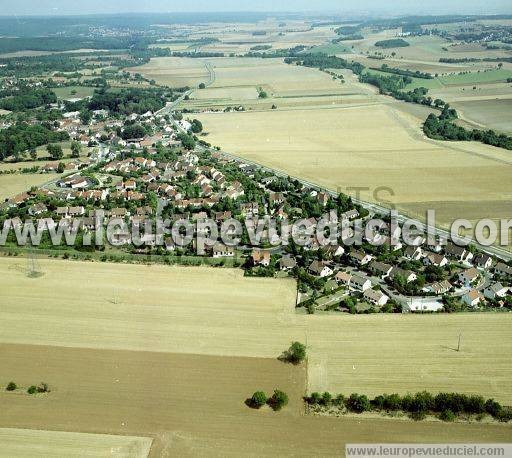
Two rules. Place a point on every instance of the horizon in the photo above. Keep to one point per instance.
(58, 8)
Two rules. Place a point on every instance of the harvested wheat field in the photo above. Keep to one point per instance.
(13, 184)
(27, 443)
(370, 146)
(408, 353)
(194, 405)
(175, 72)
(235, 316)
(155, 308)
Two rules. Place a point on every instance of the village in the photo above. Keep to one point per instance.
(175, 172)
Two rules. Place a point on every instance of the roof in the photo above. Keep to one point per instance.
(359, 280)
(374, 295)
(317, 266)
(471, 273)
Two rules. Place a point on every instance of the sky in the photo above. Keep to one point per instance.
(393, 7)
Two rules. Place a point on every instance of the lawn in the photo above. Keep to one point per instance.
(74, 92)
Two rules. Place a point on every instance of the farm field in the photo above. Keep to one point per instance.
(496, 114)
(174, 71)
(26, 443)
(194, 405)
(370, 146)
(11, 185)
(240, 317)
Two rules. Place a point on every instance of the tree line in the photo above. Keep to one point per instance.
(447, 406)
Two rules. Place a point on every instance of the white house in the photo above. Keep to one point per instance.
(359, 283)
(320, 269)
(496, 291)
(468, 277)
(376, 297)
(473, 298)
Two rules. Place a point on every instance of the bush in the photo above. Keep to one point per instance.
(326, 399)
(504, 415)
(32, 389)
(315, 398)
(296, 353)
(258, 399)
(278, 400)
(358, 403)
(392, 402)
(447, 415)
(339, 400)
(11, 386)
(492, 407)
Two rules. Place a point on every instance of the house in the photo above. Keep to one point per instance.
(496, 291)
(287, 262)
(359, 258)
(334, 250)
(260, 257)
(320, 269)
(359, 283)
(472, 298)
(37, 209)
(350, 215)
(459, 253)
(376, 297)
(413, 252)
(435, 259)
(343, 278)
(322, 198)
(468, 277)
(220, 250)
(62, 212)
(408, 275)
(380, 268)
(483, 261)
(276, 198)
(118, 212)
(503, 269)
(440, 287)
(76, 211)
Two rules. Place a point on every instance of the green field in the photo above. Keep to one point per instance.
(73, 92)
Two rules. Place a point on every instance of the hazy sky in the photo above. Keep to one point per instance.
(395, 7)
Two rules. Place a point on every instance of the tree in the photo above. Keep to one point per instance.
(76, 149)
(196, 126)
(60, 167)
(33, 154)
(296, 353)
(11, 386)
(358, 403)
(55, 151)
(32, 389)
(85, 117)
(202, 86)
(278, 400)
(187, 141)
(258, 399)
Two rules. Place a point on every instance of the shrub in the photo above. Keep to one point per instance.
(418, 416)
(296, 353)
(278, 400)
(447, 415)
(358, 403)
(32, 389)
(11, 386)
(339, 400)
(315, 398)
(326, 399)
(492, 407)
(258, 399)
(392, 402)
(505, 414)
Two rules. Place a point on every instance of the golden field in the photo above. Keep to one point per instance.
(371, 147)
(13, 184)
(109, 306)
